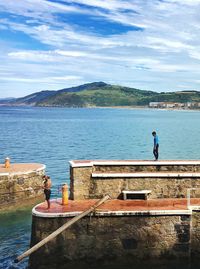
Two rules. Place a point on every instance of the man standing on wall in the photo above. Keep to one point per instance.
(156, 145)
(47, 189)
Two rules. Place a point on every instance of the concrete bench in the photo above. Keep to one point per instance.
(136, 194)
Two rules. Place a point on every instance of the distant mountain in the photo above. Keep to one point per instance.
(102, 94)
(88, 86)
(6, 101)
(96, 94)
(33, 98)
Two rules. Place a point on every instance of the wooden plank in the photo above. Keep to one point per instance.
(61, 229)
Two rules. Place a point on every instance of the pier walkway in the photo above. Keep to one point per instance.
(118, 207)
(21, 168)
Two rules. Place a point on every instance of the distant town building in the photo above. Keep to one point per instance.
(155, 104)
(191, 105)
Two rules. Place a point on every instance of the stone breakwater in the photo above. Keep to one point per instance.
(164, 225)
(118, 231)
(20, 184)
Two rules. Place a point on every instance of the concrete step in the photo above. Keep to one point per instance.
(146, 175)
(88, 163)
(133, 166)
(146, 166)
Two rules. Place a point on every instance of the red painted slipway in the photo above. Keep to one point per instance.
(118, 205)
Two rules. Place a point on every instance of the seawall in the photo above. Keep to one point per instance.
(20, 184)
(123, 234)
(162, 224)
(165, 179)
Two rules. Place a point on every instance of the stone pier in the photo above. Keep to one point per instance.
(20, 184)
(154, 230)
(163, 226)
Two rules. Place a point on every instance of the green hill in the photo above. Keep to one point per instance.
(97, 94)
(102, 94)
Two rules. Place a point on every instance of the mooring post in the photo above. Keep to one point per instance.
(61, 229)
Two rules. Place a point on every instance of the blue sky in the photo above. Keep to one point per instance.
(49, 45)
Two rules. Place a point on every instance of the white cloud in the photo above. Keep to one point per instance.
(195, 54)
(186, 2)
(163, 55)
(41, 10)
(109, 5)
(185, 87)
(41, 80)
(164, 43)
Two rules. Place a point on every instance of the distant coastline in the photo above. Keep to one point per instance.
(104, 107)
(100, 94)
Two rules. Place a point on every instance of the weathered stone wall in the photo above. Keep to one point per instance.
(195, 235)
(112, 238)
(81, 185)
(160, 187)
(84, 186)
(146, 168)
(16, 189)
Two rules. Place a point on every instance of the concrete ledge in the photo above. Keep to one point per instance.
(4, 174)
(22, 169)
(114, 213)
(194, 207)
(29, 171)
(137, 192)
(43, 167)
(146, 175)
(89, 163)
(81, 163)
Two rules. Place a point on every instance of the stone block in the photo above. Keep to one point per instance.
(129, 243)
(182, 248)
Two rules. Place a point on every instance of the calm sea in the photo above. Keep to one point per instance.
(54, 136)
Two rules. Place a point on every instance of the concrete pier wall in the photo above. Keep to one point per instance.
(143, 230)
(115, 238)
(20, 183)
(165, 179)
(195, 234)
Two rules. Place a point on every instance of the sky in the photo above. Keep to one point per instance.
(54, 44)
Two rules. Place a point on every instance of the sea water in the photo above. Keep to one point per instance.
(54, 136)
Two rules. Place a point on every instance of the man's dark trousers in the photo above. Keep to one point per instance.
(155, 151)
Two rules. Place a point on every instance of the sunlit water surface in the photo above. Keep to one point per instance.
(54, 136)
